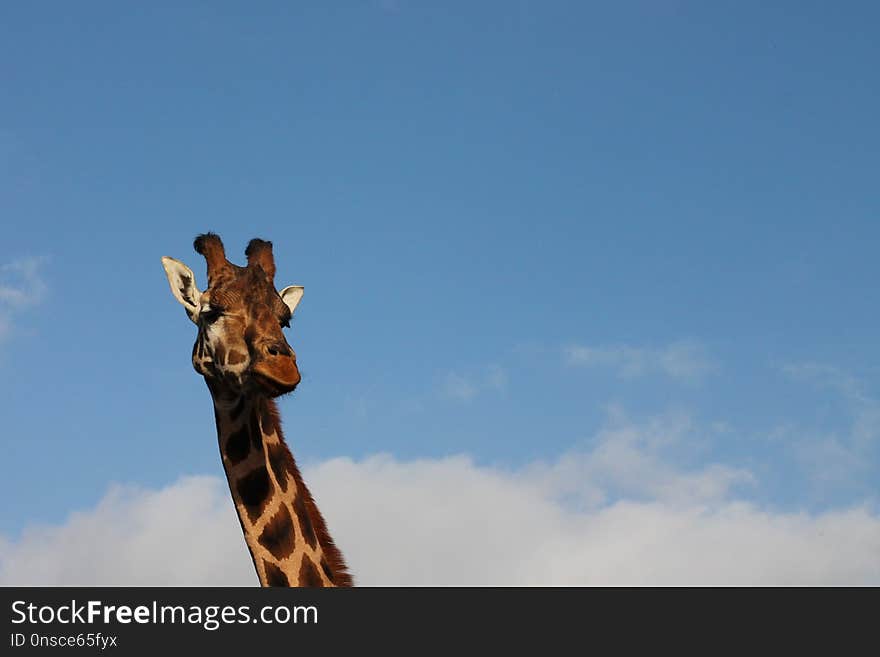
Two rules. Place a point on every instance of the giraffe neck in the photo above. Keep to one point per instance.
(282, 526)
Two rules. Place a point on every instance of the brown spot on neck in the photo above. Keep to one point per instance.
(254, 490)
(237, 446)
(305, 522)
(280, 461)
(279, 534)
(274, 575)
(308, 574)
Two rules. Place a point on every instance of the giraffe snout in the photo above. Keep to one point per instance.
(278, 349)
(277, 369)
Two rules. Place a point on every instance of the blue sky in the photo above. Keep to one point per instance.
(520, 226)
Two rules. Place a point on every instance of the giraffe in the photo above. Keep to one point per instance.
(246, 361)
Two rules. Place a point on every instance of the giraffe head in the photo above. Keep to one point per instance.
(240, 347)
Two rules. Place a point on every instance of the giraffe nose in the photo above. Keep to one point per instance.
(278, 349)
(277, 370)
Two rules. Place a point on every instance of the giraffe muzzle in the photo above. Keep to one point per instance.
(276, 375)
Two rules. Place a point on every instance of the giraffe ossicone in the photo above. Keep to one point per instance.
(242, 353)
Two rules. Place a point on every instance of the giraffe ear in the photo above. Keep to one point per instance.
(291, 295)
(183, 286)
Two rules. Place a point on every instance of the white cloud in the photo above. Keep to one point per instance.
(186, 533)
(627, 460)
(685, 360)
(615, 514)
